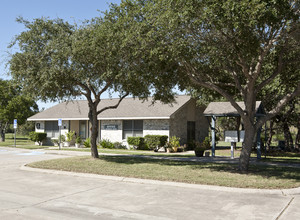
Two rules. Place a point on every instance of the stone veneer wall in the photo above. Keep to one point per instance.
(202, 124)
(112, 135)
(189, 112)
(156, 127)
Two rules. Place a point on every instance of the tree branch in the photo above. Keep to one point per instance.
(280, 105)
(113, 106)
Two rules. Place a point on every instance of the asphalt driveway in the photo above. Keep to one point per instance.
(37, 194)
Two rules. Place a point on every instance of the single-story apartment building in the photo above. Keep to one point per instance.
(133, 117)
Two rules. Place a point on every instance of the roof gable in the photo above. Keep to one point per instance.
(226, 109)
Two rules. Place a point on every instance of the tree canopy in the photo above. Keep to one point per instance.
(14, 105)
(232, 48)
(59, 61)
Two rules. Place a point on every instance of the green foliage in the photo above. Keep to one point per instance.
(153, 141)
(87, 143)
(14, 104)
(119, 145)
(70, 135)
(106, 144)
(138, 142)
(25, 128)
(78, 140)
(62, 138)
(174, 143)
(37, 136)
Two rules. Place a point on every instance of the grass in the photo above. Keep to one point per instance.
(262, 177)
(21, 142)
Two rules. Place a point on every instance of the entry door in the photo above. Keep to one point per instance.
(191, 131)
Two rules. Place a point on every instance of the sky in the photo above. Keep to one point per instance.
(69, 10)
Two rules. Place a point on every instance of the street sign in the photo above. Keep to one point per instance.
(15, 124)
(59, 122)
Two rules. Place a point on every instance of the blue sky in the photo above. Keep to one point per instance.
(71, 10)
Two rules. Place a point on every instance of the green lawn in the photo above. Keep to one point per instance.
(21, 142)
(262, 177)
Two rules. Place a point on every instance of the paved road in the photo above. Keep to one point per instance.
(28, 194)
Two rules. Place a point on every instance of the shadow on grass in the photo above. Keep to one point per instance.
(258, 170)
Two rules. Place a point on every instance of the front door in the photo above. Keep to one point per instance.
(191, 131)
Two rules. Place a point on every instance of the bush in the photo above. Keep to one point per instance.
(137, 142)
(119, 145)
(174, 143)
(37, 137)
(153, 141)
(106, 144)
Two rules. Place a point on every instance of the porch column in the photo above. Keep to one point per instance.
(213, 135)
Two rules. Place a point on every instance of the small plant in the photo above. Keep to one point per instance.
(201, 147)
(106, 144)
(119, 145)
(62, 138)
(70, 136)
(78, 140)
(55, 142)
(87, 143)
(174, 143)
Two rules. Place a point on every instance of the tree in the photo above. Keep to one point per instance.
(233, 48)
(14, 105)
(59, 61)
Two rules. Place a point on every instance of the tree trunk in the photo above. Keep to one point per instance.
(287, 136)
(2, 134)
(297, 141)
(271, 133)
(94, 129)
(250, 134)
(3, 127)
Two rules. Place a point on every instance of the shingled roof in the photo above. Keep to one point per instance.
(226, 109)
(129, 108)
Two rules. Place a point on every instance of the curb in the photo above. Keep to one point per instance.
(283, 192)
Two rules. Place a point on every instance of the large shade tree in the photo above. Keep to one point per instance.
(231, 48)
(59, 61)
(14, 105)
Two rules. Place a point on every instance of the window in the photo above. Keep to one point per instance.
(82, 129)
(38, 126)
(52, 129)
(132, 128)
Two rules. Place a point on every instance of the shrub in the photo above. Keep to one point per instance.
(138, 143)
(119, 145)
(37, 137)
(153, 141)
(87, 143)
(174, 143)
(62, 138)
(106, 144)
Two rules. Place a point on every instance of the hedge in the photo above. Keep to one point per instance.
(152, 141)
(139, 142)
